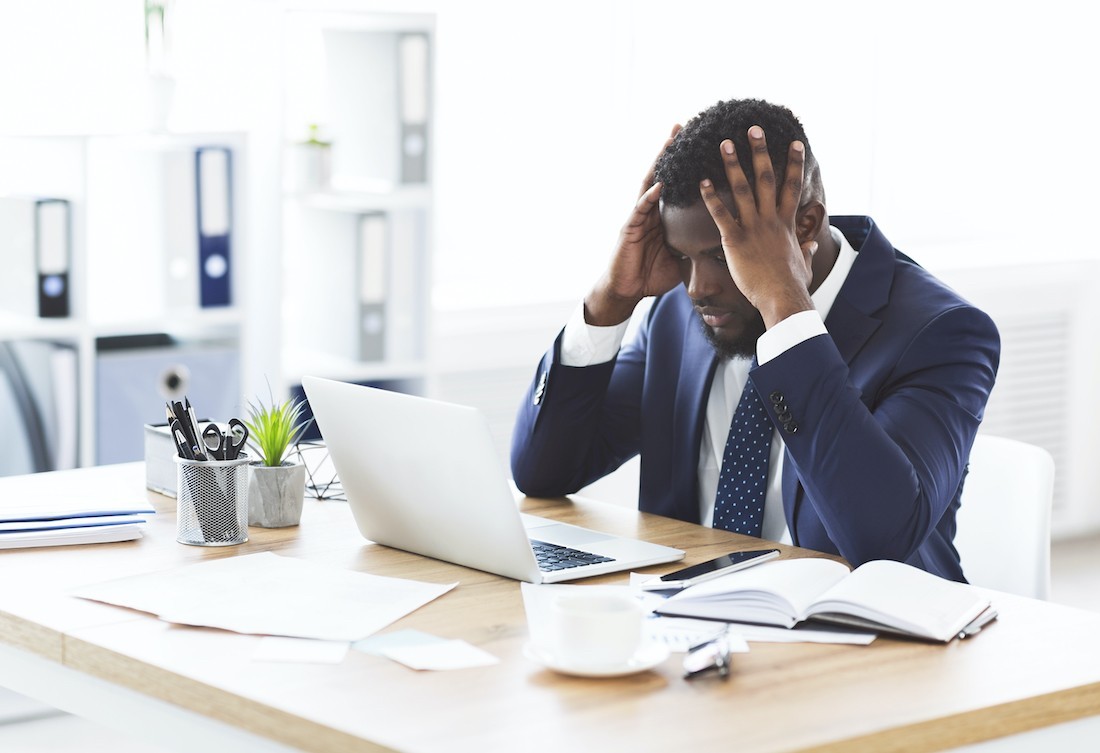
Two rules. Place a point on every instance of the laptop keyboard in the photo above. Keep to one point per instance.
(557, 557)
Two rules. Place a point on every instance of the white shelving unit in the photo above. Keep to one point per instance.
(120, 283)
(357, 242)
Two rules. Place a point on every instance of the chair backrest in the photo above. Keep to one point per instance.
(1003, 534)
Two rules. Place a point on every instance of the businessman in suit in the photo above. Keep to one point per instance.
(796, 378)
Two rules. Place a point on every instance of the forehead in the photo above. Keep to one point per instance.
(690, 229)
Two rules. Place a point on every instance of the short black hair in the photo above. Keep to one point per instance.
(694, 154)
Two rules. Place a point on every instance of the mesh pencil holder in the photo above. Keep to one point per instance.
(212, 501)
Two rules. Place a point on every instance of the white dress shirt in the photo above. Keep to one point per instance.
(586, 345)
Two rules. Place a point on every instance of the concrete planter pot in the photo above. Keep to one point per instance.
(276, 495)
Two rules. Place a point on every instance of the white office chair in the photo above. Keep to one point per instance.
(1003, 534)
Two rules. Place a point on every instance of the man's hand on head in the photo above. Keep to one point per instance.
(641, 265)
(769, 265)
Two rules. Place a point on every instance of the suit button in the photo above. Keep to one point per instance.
(776, 397)
(791, 427)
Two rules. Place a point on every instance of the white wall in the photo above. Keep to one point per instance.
(949, 121)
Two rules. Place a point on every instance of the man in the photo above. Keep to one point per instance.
(851, 427)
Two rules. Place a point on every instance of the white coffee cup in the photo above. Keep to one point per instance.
(595, 630)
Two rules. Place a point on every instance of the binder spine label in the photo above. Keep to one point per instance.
(213, 184)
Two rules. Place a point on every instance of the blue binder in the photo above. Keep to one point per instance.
(213, 200)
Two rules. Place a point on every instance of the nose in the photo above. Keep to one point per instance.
(704, 280)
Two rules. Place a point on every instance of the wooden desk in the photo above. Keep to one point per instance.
(1036, 666)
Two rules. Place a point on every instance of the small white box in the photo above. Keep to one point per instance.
(160, 460)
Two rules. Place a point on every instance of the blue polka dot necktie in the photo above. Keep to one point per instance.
(743, 481)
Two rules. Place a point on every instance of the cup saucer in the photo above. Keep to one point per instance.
(646, 657)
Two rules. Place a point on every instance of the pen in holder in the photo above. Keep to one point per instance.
(212, 501)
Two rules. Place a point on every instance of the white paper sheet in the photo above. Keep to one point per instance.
(267, 594)
(300, 650)
(441, 655)
(377, 645)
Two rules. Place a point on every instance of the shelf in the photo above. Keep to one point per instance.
(204, 323)
(400, 197)
(15, 327)
(201, 322)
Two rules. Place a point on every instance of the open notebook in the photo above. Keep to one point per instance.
(881, 595)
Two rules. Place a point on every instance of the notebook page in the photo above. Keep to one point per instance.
(904, 597)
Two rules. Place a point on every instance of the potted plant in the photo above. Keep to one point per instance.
(276, 486)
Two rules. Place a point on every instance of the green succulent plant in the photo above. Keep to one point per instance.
(274, 428)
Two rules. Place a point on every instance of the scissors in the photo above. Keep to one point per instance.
(225, 445)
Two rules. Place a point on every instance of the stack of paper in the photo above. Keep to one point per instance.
(314, 600)
(53, 524)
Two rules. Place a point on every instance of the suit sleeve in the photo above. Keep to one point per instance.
(577, 424)
(880, 470)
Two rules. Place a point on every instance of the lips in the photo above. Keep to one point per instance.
(713, 317)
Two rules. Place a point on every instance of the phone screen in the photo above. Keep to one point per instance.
(714, 565)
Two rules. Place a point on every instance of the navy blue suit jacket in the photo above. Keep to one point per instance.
(885, 408)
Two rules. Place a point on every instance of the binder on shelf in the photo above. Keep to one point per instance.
(404, 320)
(36, 248)
(178, 210)
(158, 226)
(379, 85)
(413, 71)
(371, 258)
(213, 179)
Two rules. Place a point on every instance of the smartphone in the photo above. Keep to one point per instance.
(704, 571)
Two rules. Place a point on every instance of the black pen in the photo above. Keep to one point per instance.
(180, 437)
(194, 424)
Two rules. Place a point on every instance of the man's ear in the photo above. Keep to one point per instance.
(809, 220)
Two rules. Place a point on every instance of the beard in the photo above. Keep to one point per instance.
(741, 345)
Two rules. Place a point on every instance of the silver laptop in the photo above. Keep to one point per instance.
(423, 476)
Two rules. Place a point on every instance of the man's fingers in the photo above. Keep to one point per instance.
(744, 202)
(791, 196)
(765, 174)
(719, 212)
(647, 181)
(644, 208)
(648, 199)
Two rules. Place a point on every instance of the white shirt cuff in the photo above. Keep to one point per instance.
(793, 330)
(583, 344)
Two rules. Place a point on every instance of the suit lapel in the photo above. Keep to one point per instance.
(852, 320)
(692, 394)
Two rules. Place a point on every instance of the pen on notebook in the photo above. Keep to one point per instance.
(978, 623)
